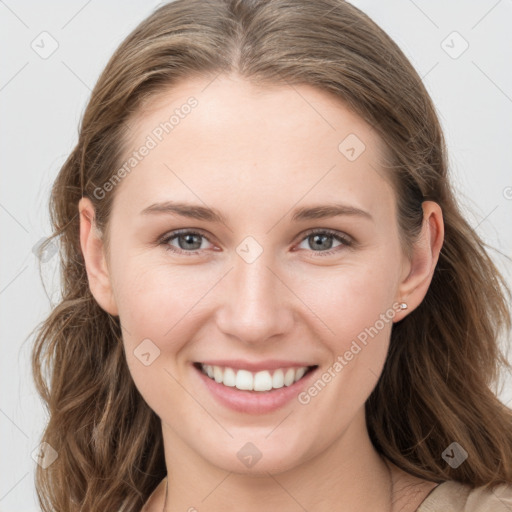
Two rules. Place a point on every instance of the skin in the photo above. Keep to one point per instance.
(256, 154)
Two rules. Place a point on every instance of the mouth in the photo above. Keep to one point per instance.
(262, 381)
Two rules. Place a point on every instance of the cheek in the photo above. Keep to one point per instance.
(161, 308)
(154, 299)
(158, 308)
(350, 299)
(356, 305)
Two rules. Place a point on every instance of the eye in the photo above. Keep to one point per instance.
(321, 241)
(188, 242)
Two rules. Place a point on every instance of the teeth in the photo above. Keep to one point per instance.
(278, 379)
(289, 377)
(259, 381)
(218, 374)
(262, 381)
(244, 379)
(229, 378)
(300, 373)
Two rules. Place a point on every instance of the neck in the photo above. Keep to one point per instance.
(348, 475)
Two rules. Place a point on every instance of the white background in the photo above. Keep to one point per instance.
(42, 100)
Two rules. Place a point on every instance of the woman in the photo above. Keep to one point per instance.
(270, 297)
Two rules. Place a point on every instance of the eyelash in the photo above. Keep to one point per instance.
(344, 239)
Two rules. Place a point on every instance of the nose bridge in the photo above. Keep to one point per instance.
(254, 305)
(254, 281)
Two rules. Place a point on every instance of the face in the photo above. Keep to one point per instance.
(258, 236)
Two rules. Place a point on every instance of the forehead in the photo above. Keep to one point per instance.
(227, 102)
(227, 138)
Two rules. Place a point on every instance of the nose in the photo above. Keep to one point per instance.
(255, 302)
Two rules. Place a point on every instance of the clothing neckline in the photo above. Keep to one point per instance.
(431, 495)
(426, 501)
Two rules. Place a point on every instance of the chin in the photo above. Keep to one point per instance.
(256, 458)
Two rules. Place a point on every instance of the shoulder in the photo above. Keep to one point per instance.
(452, 496)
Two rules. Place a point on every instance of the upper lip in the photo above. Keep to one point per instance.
(268, 364)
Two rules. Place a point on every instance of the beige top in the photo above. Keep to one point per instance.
(453, 496)
(448, 496)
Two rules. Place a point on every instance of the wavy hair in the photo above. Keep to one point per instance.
(444, 357)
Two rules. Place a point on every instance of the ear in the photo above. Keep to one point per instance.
(93, 251)
(422, 263)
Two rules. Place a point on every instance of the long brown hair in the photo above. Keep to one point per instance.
(444, 357)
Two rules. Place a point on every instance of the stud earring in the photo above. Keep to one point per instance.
(403, 305)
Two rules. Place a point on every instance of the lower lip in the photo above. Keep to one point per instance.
(254, 402)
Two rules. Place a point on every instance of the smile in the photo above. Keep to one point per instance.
(261, 381)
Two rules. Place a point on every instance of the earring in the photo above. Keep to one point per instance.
(403, 305)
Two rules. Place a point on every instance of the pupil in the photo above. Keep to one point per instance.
(189, 239)
(322, 246)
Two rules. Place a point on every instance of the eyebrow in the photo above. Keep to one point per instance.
(198, 212)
